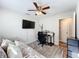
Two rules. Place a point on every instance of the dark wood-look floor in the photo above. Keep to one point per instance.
(64, 47)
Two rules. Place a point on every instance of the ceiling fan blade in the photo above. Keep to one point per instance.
(46, 8)
(43, 12)
(31, 10)
(35, 5)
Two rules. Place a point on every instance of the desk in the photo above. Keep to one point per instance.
(50, 39)
(46, 38)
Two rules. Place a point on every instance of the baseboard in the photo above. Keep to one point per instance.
(62, 42)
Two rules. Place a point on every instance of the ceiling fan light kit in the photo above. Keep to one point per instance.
(38, 13)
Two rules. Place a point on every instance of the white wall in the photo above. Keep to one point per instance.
(51, 23)
(11, 26)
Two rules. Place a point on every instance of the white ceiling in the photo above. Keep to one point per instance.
(22, 6)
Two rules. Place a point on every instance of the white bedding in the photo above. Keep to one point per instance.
(2, 53)
(27, 52)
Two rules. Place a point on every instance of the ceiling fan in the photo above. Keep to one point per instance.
(40, 9)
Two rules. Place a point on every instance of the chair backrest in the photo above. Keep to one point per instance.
(41, 36)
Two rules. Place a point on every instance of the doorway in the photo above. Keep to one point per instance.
(65, 29)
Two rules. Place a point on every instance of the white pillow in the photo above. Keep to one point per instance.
(5, 43)
(23, 48)
(2, 53)
(14, 51)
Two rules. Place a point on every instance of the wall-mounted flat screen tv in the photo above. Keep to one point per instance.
(26, 24)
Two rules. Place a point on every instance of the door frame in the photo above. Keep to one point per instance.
(60, 28)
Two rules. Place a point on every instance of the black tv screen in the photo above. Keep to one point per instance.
(28, 24)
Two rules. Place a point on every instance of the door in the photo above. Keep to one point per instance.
(66, 27)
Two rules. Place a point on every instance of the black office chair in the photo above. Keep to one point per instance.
(42, 38)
